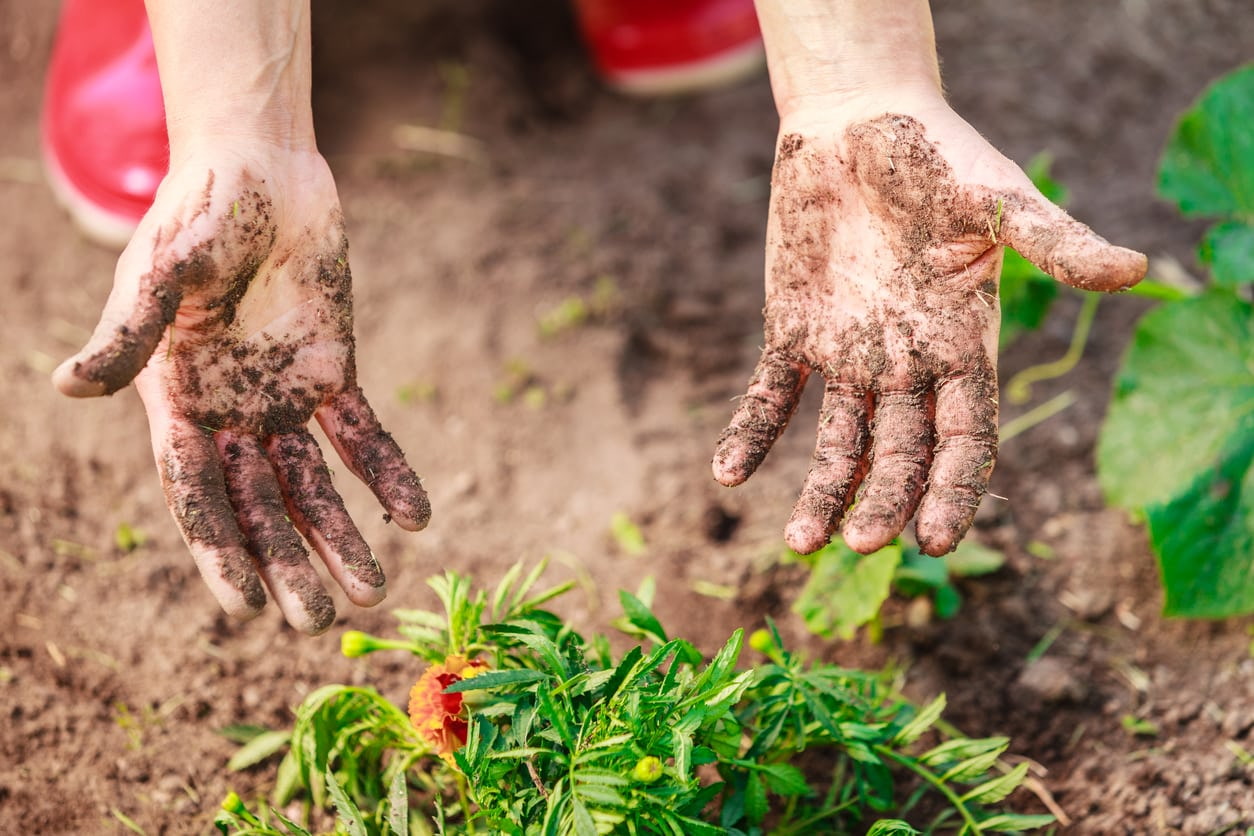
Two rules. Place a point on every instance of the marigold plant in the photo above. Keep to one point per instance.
(565, 737)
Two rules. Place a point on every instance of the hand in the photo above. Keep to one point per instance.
(232, 310)
(884, 247)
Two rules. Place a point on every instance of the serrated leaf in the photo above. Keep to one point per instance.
(346, 810)
(845, 589)
(584, 826)
(1206, 167)
(921, 722)
(784, 779)
(1015, 822)
(995, 790)
(962, 748)
(398, 805)
(241, 732)
(891, 827)
(973, 767)
(755, 799)
(1176, 445)
(641, 617)
(258, 749)
(496, 679)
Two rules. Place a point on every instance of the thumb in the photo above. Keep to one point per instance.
(134, 319)
(1063, 247)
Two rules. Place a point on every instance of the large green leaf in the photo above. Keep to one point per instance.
(845, 589)
(1228, 249)
(1178, 443)
(1208, 167)
(1208, 171)
(1185, 390)
(1205, 539)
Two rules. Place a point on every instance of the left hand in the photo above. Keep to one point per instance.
(884, 247)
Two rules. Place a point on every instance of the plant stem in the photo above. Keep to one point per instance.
(930, 776)
(1019, 389)
(1036, 415)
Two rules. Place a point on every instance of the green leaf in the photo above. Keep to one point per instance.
(258, 749)
(845, 589)
(640, 617)
(891, 827)
(947, 601)
(1206, 167)
(1026, 296)
(972, 559)
(398, 805)
(242, 733)
(627, 534)
(584, 826)
(496, 679)
(1186, 388)
(784, 779)
(1014, 822)
(348, 813)
(919, 574)
(1178, 443)
(921, 722)
(755, 799)
(1204, 539)
(1228, 248)
(998, 788)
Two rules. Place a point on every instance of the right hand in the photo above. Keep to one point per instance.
(232, 311)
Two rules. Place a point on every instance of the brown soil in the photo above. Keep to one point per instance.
(116, 668)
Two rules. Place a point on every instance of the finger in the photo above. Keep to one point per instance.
(1065, 248)
(318, 512)
(770, 401)
(195, 491)
(273, 543)
(374, 457)
(834, 470)
(900, 453)
(966, 449)
(134, 320)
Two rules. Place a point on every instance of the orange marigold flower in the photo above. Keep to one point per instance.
(440, 718)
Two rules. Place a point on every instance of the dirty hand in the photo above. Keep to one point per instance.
(232, 311)
(884, 247)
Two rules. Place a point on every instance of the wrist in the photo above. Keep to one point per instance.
(849, 54)
(234, 70)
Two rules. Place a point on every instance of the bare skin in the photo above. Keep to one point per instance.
(884, 246)
(232, 310)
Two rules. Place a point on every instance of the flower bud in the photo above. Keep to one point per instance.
(761, 640)
(647, 770)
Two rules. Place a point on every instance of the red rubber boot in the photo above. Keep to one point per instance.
(103, 131)
(657, 47)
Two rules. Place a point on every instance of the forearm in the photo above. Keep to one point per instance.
(831, 53)
(234, 69)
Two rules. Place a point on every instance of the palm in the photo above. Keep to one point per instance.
(882, 269)
(263, 335)
(232, 310)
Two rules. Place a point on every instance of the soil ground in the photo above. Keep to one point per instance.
(116, 668)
